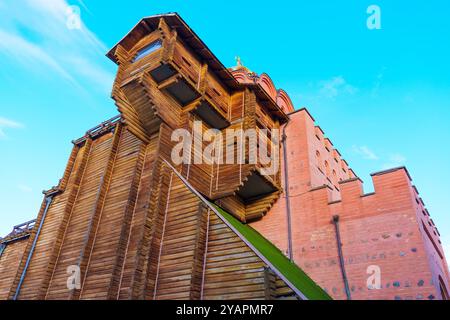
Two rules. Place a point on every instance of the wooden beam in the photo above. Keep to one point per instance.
(160, 244)
(140, 274)
(50, 269)
(114, 286)
(198, 259)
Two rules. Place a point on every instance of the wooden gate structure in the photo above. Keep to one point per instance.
(135, 225)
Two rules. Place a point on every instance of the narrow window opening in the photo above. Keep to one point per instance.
(152, 47)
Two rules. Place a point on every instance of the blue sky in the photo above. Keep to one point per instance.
(382, 96)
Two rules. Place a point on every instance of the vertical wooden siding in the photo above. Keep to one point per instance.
(115, 215)
(49, 239)
(78, 224)
(9, 262)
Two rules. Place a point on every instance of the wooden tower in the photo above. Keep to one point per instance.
(139, 226)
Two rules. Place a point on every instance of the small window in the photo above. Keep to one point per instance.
(327, 168)
(320, 169)
(152, 47)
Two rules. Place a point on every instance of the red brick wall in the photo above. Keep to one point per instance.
(383, 229)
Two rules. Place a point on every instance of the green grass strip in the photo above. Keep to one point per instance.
(288, 269)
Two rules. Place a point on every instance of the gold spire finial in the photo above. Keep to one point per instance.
(240, 65)
(238, 62)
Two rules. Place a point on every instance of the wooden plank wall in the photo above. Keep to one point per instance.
(174, 258)
(130, 116)
(141, 221)
(233, 270)
(187, 232)
(115, 219)
(87, 224)
(137, 231)
(79, 221)
(9, 262)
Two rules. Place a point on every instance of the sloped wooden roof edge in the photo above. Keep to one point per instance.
(193, 40)
(19, 232)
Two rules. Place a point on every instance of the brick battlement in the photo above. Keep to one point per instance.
(322, 163)
(393, 189)
(353, 187)
(389, 228)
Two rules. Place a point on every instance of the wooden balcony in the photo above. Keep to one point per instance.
(208, 113)
(255, 186)
(182, 90)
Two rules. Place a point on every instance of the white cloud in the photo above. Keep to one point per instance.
(28, 54)
(24, 188)
(365, 152)
(395, 160)
(8, 124)
(336, 86)
(35, 36)
(446, 248)
(322, 92)
(378, 82)
(81, 2)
